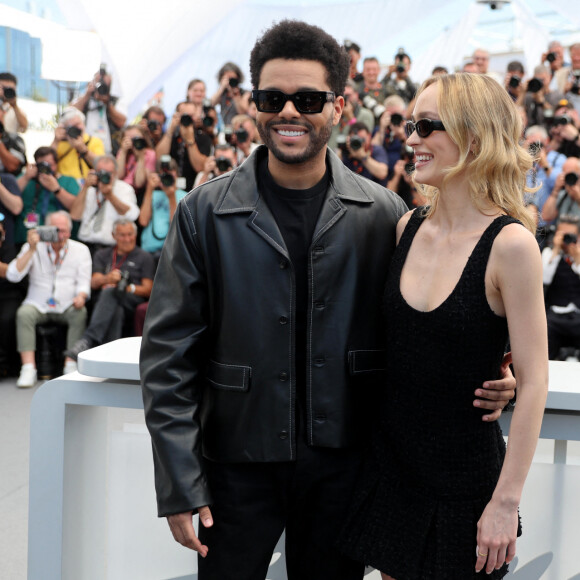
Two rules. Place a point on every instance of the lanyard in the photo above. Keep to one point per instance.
(52, 302)
(116, 265)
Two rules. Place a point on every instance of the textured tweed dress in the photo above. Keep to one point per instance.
(434, 463)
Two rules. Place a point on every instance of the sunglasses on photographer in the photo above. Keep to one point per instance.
(424, 127)
(306, 102)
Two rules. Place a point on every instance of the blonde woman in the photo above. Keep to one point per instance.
(440, 495)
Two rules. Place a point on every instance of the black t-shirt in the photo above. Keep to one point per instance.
(138, 263)
(296, 212)
(179, 152)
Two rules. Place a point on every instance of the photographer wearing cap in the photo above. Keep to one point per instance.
(123, 275)
(76, 151)
(224, 159)
(188, 145)
(15, 120)
(561, 265)
(565, 196)
(364, 158)
(397, 80)
(230, 96)
(154, 121)
(44, 191)
(159, 204)
(102, 200)
(59, 273)
(103, 119)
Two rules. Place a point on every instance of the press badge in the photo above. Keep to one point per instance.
(51, 302)
(31, 220)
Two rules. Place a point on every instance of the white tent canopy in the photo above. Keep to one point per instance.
(153, 46)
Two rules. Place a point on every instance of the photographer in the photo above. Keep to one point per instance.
(561, 266)
(103, 119)
(390, 132)
(12, 149)
(397, 80)
(242, 136)
(124, 276)
(353, 50)
(59, 273)
(370, 89)
(76, 151)
(44, 191)
(231, 98)
(540, 100)
(15, 120)
(565, 196)
(223, 160)
(136, 157)
(159, 205)
(513, 81)
(568, 77)
(154, 120)
(102, 200)
(360, 156)
(400, 180)
(553, 58)
(188, 145)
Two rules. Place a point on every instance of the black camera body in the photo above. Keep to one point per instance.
(400, 67)
(73, 132)
(165, 163)
(356, 142)
(43, 168)
(241, 135)
(208, 120)
(570, 179)
(223, 164)
(47, 233)
(104, 176)
(515, 81)
(535, 85)
(124, 281)
(139, 143)
(186, 120)
(167, 179)
(551, 57)
(562, 120)
(396, 119)
(575, 88)
(234, 82)
(569, 239)
(152, 125)
(9, 93)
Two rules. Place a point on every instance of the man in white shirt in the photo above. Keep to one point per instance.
(15, 120)
(59, 274)
(102, 200)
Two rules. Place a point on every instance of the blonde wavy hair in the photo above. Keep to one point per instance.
(481, 119)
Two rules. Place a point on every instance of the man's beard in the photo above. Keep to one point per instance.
(316, 141)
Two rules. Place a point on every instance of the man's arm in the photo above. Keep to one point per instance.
(9, 160)
(13, 203)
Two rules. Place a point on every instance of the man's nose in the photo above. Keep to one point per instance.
(289, 110)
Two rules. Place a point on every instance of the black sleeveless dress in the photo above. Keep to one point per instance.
(434, 463)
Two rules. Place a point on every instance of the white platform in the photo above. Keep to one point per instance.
(92, 508)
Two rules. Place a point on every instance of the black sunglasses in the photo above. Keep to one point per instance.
(306, 102)
(424, 127)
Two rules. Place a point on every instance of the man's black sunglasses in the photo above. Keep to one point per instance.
(306, 102)
(424, 127)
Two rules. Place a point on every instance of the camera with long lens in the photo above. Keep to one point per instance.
(101, 86)
(138, 143)
(515, 81)
(124, 281)
(535, 85)
(47, 233)
(43, 168)
(9, 93)
(73, 132)
(152, 125)
(186, 120)
(356, 142)
(104, 177)
(223, 164)
(569, 239)
(374, 106)
(571, 179)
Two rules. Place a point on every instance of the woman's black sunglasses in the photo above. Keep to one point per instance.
(306, 102)
(424, 127)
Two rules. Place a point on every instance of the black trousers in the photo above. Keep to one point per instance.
(255, 502)
(563, 330)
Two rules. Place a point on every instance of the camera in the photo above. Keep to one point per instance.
(562, 120)
(551, 57)
(400, 67)
(186, 120)
(356, 142)
(241, 135)
(101, 86)
(341, 143)
(234, 82)
(73, 132)
(570, 179)
(228, 135)
(374, 106)
(9, 93)
(167, 179)
(575, 88)
(1, 128)
(535, 85)
(104, 176)
(124, 281)
(47, 233)
(223, 164)
(152, 125)
(569, 239)
(139, 143)
(515, 81)
(208, 120)
(44, 168)
(165, 163)
(396, 119)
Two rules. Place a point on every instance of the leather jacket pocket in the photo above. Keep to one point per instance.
(228, 377)
(366, 361)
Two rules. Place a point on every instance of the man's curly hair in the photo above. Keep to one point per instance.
(296, 40)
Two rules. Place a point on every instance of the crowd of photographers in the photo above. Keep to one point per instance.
(118, 183)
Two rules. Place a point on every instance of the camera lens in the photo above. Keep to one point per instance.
(139, 143)
(167, 179)
(223, 163)
(570, 179)
(396, 119)
(73, 132)
(234, 82)
(186, 120)
(515, 81)
(152, 125)
(104, 177)
(551, 57)
(9, 93)
(535, 85)
(356, 142)
(241, 135)
(570, 239)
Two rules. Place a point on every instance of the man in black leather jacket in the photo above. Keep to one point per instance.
(261, 356)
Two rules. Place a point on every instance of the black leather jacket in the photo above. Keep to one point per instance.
(217, 358)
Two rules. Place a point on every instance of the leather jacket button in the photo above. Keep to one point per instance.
(283, 320)
(318, 250)
(283, 376)
(319, 305)
(283, 434)
(283, 264)
(319, 362)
